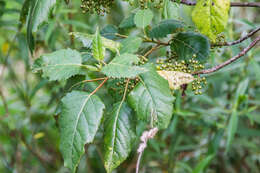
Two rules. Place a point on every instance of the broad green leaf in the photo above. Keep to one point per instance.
(119, 136)
(38, 13)
(165, 27)
(80, 118)
(86, 40)
(143, 18)
(123, 67)
(60, 65)
(98, 50)
(200, 168)
(128, 22)
(130, 44)
(211, 17)
(186, 44)
(152, 99)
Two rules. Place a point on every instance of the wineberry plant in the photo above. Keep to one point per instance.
(130, 86)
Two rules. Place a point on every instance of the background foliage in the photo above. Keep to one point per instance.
(199, 132)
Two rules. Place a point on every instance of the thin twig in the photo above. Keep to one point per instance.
(84, 81)
(239, 40)
(220, 66)
(233, 4)
(152, 49)
(99, 86)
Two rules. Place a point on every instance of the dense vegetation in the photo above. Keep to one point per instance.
(129, 86)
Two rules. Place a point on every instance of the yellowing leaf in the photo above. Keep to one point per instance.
(5, 48)
(211, 17)
(176, 78)
(39, 135)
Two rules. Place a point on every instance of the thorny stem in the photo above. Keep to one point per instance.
(220, 66)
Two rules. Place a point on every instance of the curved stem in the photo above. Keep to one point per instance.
(220, 66)
(233, 4)
(239, 40)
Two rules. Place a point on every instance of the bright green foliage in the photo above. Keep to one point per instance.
(38, 13)
(130, 45)
(79, 122)
(143, 18)
(87, 39)
(165, 27)
(98, 49)
(119, 135)
(60, 65)
(211, 17)
(152, 99)
(122, 67)
(187, 44)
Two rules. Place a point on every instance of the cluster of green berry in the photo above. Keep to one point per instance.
(185, 66)
(117, 87)
(197, 85)
(189, 66)
(144, 3)
(99, 6)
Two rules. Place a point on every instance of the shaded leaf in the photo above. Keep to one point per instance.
(128, 22)
(79, 122)
(119, 136)
(152, 99)
(38, 13)
(165, 27)
(186, 44)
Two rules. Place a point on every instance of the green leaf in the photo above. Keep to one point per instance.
(143, 18)
(152, 99)
(86, 40)
(38, 13)
(109, 31)
(98, 49)
(60, 65)
(80, 118)
(119, 136)
(186, 44)
(122, 67)
(130, 44)
(232, 129)
(165, 27)
(128, 22)
(211, 17)
(203, 164)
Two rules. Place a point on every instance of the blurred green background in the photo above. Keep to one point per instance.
(197, 136)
